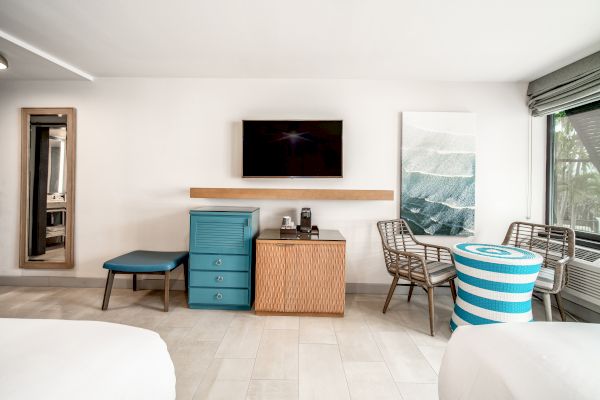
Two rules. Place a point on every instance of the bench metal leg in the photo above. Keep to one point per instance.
(109, 284)
(134, 282)
(167, 287)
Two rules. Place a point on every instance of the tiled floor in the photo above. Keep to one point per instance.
(238, 355)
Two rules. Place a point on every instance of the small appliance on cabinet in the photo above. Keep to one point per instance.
(221, 264)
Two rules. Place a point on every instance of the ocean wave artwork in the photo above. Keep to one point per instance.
(438, 173)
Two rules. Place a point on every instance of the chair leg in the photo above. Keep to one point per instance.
(559, 304)
(167, 288)
(548, 307)
(109, 284)
(453, 290)
(431, 310)
(390, 293)
(410, 291)
(134, 282)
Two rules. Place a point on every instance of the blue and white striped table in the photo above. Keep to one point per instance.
(494, 284)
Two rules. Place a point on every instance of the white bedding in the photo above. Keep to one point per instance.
(537, 360)
(56, 359)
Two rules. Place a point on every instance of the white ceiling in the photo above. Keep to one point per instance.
(24, 64)
(457, 40)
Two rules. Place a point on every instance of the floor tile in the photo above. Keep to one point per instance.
(223, 390)
(232, 369)
(350, 321)
(194, 359)
(186, 387)
(277, 356)
(171, 335)
(5, 289)
(370, 380)
(236, 372)
(272, 390)
(421, 336)
(358, 345)
(317, 330)
(148, 320)
(418, 391)
(242, 338)
(433, 355)
(321, 373)
(403, 358)
(212, 325)
(191, 363)
(182, 318)
(389, 322)
(282, 322)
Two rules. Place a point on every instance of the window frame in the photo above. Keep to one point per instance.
(584, 239)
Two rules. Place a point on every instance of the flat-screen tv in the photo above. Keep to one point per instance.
(275, 149)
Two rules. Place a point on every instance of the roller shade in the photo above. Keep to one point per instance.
(575, 85)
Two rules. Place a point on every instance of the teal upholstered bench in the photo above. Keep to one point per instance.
(145, 262)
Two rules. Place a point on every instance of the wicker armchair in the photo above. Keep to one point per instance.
(421, 264)
(556, 244)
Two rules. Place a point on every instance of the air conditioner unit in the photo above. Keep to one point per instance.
(583, 279)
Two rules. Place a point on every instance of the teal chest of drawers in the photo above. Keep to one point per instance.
(221, 264)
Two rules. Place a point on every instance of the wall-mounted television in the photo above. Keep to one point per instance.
(288, 149)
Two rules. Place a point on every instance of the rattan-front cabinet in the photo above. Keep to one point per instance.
(300, 275)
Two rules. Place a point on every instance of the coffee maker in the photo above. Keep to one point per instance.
(305, 220)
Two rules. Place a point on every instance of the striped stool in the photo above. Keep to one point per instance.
(494, 284)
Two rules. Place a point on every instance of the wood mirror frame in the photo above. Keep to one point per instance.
(68, 262)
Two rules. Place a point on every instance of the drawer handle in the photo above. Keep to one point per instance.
(219, 278)
(219, 262)
(219, 296)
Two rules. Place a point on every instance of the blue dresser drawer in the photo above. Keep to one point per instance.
(220, 234)
(215, 262)
(220, 279)
(234, 297)
(221, 257)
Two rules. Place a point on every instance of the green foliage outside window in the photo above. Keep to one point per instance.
(575, 190)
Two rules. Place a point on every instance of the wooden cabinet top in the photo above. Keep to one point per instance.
(324, 235)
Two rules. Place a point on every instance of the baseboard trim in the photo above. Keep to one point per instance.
(78, 282)
(383, 288)
(153, 283)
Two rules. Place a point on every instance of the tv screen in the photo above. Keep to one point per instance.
(273, 149)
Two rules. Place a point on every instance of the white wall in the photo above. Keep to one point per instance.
(141, 143)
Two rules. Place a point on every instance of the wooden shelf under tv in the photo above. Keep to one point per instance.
(290, 194)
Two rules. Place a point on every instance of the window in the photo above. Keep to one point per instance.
(573, 181)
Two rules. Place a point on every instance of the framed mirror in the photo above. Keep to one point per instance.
(47, 188)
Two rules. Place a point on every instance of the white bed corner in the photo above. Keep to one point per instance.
(537, 360)
(58, 359)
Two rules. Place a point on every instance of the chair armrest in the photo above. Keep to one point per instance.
(410, 256)
(560, 276)
(564, 261)
(440, 251)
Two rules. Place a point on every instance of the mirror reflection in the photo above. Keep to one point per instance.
(47, 208)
